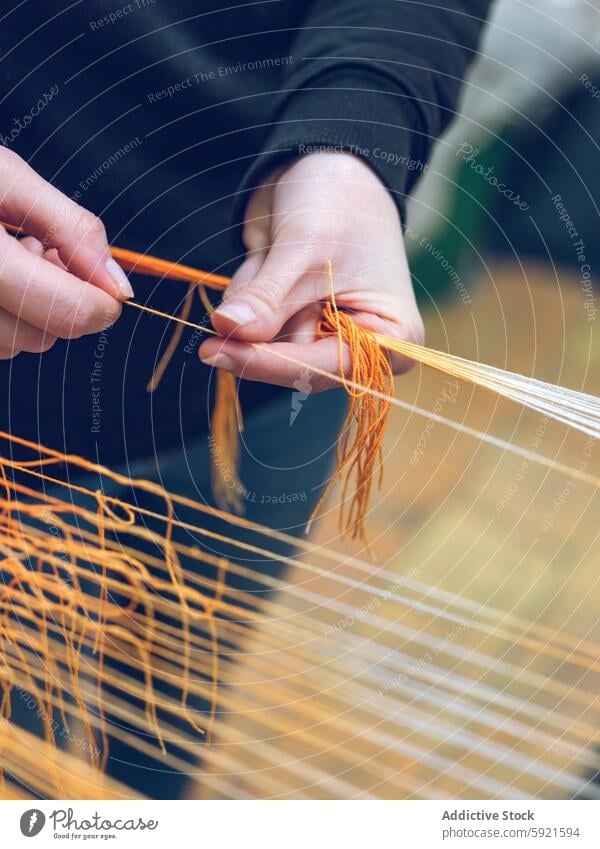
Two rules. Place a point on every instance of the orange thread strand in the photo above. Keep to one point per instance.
(152, 266)
(169, 351)
(226, 424)
(360, 449)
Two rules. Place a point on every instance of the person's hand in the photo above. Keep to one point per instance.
(59, 282)
(324, 206)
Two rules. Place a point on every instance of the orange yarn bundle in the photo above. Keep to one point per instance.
(360, 449)
(225, 427)
(359, 453)
(226, 424)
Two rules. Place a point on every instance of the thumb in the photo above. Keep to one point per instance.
(257, 306)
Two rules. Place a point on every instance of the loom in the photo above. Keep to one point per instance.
(256, 694)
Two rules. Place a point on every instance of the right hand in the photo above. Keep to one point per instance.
(60, 281)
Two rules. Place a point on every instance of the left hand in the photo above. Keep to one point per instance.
(324, 206)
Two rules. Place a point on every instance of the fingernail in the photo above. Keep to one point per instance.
(238, 311)
(220, 361)
(120, 278)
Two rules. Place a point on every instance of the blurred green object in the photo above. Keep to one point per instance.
(527, 190)
(444, 262)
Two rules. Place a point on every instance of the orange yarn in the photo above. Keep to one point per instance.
(225, 427)
(226, 424)
(359, 455)
(360, 449)
(226, 421)
(153, 266)
(47, 615)
(174, 341)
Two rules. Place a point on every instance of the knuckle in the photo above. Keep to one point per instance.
(110, 314)
(291, 226)
(84, 321)
(72, 319)
(416, 331)
(320, 383)
(49, 342)
(254, 235)
(9, 161)
(7, 353)
(37, 341)
(268, 291)
(297, 229)
(88, 226)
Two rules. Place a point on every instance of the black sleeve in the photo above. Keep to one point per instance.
(379, 78)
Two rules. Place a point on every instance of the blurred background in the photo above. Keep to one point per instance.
(531, 111)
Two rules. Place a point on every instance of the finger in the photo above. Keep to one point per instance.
(54, 257)
(33, 245)
(49, 298)
(269, 362)
(257, 220)
(27, 200)
(245, 274)
(301, 327)
(279, 363)
(257, 311)
(17, 336)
